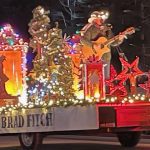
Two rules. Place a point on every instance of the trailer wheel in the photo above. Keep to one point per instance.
(30, 141)
(129, 139)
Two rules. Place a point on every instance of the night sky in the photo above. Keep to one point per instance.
(18, 13)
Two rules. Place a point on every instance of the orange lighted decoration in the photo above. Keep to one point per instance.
(12, 71)
(76, 62)
(12, 66)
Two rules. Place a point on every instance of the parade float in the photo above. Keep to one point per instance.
(66, 88)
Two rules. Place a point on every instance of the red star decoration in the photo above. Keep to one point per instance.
(113, 73)
(146, 86)
(114, 84)
(130, 71)
(118, 87)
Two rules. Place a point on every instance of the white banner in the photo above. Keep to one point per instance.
(53, 119)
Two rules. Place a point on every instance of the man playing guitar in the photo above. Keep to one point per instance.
(95, 29)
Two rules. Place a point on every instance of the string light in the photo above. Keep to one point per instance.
(48, 88)
(11, 42)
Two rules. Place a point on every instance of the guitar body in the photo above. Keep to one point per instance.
(87, 51)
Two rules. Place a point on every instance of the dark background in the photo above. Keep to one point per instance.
(73, 14)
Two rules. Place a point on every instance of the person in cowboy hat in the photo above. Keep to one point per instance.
(95, 29)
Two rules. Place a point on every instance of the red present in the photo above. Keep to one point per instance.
(94, 80)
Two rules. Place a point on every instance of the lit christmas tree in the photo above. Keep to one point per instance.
(51, 79)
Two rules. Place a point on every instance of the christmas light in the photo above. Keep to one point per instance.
(11, 45)
(51, 83)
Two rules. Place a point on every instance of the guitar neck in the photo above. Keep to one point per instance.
(111, 40)
(128, 31)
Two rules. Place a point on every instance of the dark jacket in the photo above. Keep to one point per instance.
(92, 32)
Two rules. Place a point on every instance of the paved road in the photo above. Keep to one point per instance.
(74, 143)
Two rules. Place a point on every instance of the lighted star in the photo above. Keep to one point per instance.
(146, 85)
(54, 68)
(130, 71)
(113, 74)
(115, 85)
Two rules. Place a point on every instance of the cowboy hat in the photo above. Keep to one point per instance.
(103, 14)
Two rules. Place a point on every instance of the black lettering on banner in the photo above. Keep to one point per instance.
(10, 120)
(37, 119)
(3, 121)
(15, 121)
(49, 119)
(42, 119)
(20, 121)
(32, 120)
(29, 120)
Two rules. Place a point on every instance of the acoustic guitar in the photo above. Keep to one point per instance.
(103, 44)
